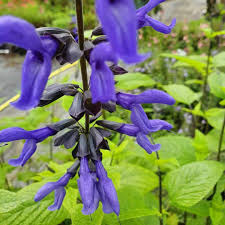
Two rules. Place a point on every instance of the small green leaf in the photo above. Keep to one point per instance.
(133, 81)
(201, 145)
(193, 61)
(189, 184)
(182, 93)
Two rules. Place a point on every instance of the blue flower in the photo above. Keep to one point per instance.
(102, 78)
(86, 185)
(107, 191)
(59, 189)
(144, 20)
(118, 19)
(30, 146)
(150, 96)
(37, 64)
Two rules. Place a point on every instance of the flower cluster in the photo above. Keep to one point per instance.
(115, 39)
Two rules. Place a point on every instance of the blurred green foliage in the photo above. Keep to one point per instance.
(193, 179)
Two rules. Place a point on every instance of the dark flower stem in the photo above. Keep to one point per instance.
(160, 191)
(80, 24)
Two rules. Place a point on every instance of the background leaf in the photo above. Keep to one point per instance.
(189, 184)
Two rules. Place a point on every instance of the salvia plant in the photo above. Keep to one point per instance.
(115, 39)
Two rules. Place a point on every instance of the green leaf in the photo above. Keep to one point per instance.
(196, 111)
(133, 81)
(177, 147)
(217, 83)
(189, 184)
(182, 93)
(79, 219)
(200, 209)
(219, 60)
(134, 209)
(215, 117)
(20, 208)
(201, 145)
(213, 139)
(193, 61)
(143, 179)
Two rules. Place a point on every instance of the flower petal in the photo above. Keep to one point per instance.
(158, 26)
(139, 118)
(149, 6)
(19, 32)
(14, 133)
(36, 69)
(107, 190)
(94, 205)
(102, 83)
(143, 141)
(118, 19)
(59, 196)
(45, 190)
(154, 96)
(29, 149)
(129, 129)
(156, 125)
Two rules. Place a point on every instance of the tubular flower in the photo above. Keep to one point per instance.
(107, 191)
(137, 131)
(59, 189)
(30, 146)
(32, 138)
(118, 19)
(144, 20)
(102, 78)
(37, 64)
(86, 185)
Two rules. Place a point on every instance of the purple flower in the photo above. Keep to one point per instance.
(86, 185)
(37, 64)
(153, 126)
(150, 96)
(30, 146)
(144, 142)
(95, 203)
(106, 189)
(59, 189)
(102, 78)
(118, 19)
(150, 126)
(144, 20)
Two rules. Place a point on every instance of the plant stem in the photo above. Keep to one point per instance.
(221, 140)
(160, 191)
(80, 24)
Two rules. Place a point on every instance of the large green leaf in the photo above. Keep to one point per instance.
(189, 184)
(215, 117)
(219, 60)
(217, 83)
(133, 81)
(182, 93)
(20, 208)
(134, 210)
(143, 179)
(177, 147)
